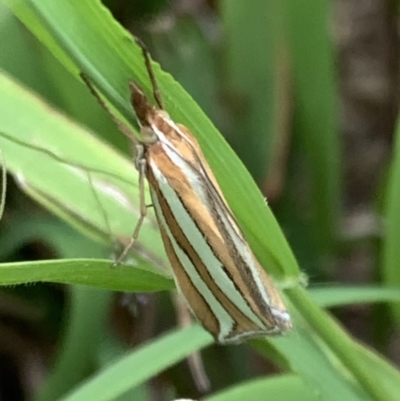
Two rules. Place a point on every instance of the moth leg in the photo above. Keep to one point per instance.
(141, 166)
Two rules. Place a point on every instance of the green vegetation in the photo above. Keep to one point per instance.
(65, 154)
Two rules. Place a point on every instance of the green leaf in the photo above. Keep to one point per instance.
(278, 388)
(252, 69)
(63, 166)
(386, 374)
(309, 356)
(391, 248)
(344, 357)
(140, 365)
(105, 52)
(315, 112)
(87, 321)
(90, 272)
(85, 37)
(330, 297)
(3, 188)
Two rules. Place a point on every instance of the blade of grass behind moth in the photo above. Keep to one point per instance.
(102, 38)
(74, 216)
(3, 184)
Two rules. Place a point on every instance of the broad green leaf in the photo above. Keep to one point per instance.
(74, 174)
(106, 52)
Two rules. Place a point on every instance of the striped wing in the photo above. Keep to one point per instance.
(226, 288)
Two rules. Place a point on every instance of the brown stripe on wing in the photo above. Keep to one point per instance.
(196, 302)
(245, 323)
(253, 296)
(209, 221)
(201, 163)
(218, 205)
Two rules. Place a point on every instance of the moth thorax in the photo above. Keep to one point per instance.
(164, 114)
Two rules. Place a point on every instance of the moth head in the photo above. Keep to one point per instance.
(143, 108)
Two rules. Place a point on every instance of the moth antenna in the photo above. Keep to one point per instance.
(120, 124)
(149, 67)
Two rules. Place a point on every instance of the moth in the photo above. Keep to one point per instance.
(213, 266)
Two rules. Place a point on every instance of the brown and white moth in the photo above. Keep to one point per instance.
(213, 266)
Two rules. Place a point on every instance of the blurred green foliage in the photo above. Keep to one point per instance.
(264, 73)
